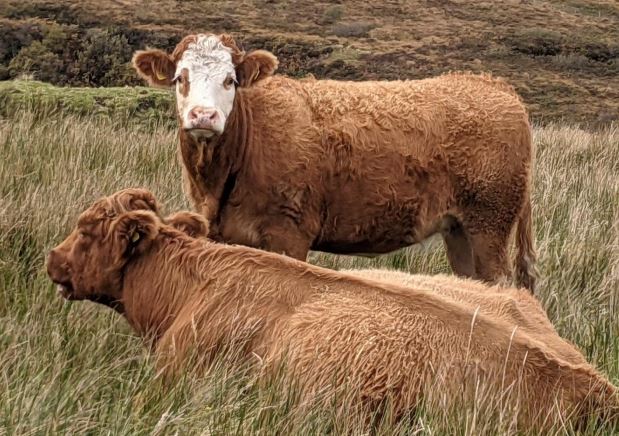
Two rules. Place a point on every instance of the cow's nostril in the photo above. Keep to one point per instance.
(193, 114)
(56, 267)
(202, 117)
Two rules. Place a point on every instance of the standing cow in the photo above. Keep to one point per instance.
(350, 167)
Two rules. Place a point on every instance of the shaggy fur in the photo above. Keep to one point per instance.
(366, 167)
(327, 331)
(190, 223)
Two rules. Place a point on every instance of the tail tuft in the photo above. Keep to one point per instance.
(526, 275)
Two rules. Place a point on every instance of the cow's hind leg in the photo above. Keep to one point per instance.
(458, 246)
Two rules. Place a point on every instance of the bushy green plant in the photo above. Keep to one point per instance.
(16, 35)
(104, 59)
(37, 60)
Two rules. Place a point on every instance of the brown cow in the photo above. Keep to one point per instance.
(369, 167)
(515, 306)
(327, 330)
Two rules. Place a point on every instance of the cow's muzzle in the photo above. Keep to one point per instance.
(59, 273)
(203, 122)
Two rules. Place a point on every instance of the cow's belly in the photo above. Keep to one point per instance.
(382, 201)
(377, 230)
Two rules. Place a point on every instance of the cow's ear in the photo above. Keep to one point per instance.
(134, 232)
(190, 223)
(154, 66)
(255, 66)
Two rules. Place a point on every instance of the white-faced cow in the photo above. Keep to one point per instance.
(350, 167)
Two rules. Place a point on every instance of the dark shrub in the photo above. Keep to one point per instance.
(16, 35)
(37, 60)
(50, 58)
(599, 51)
(536, 42)
(104, 59)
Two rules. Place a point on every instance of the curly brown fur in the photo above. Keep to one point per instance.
(328, 330)
(237, 54)
(192, 224)
(369, 167)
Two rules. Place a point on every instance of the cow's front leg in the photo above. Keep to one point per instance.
(286, 239)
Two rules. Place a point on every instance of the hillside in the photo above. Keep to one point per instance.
(562, 55)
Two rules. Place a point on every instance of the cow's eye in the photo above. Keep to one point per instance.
(176, 79)
(228, 82)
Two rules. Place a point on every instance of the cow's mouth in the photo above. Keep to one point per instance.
(201, 134)
(65, 290)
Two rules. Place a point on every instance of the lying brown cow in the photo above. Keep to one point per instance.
(328, 330)
(292, 165)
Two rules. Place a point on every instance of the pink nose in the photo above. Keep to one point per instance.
(202, 117)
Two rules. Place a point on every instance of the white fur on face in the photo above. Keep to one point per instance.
(209, 64)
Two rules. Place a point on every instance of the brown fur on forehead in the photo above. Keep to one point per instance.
(126, 200)
(237, 54)
(133, 199)
(97, 212)
(226, 39)
(180, 48)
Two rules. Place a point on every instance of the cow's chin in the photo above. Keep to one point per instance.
(203, 135)
(65, 290)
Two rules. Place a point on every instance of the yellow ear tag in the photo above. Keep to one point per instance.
(160, 76)
(135, 237)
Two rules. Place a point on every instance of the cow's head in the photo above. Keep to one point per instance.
(89, 264)
(206, 69)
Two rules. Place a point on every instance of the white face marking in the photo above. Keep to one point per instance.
(209, 65)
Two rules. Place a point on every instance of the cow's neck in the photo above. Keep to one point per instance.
(180, 273)
(212, 165)
(161, 282)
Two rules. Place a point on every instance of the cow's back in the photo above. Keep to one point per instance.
(398, 155)
(382, 346)
(517, 307)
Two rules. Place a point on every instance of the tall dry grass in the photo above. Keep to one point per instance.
(77, 367)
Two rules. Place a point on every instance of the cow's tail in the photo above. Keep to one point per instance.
(526, 274)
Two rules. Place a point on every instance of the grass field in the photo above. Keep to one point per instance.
(76, 368)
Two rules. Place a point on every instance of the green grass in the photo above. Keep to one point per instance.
(77, 367)
(136, 106)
